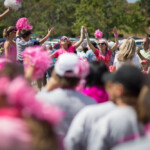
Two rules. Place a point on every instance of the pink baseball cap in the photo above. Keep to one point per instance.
(144, 62)
(70, 65)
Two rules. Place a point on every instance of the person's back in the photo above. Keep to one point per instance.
(69, 100)
(79, 131)
(117, 127)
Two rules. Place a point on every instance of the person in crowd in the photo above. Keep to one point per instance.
(24, 42)
(144, 117)
(67, 46)
(145, 66)
(127, 54)
(94, 85)
(10, 45)
(107, 132)
(144, 54)
(66, 75)
(4, 13)
(103, 53)
(90, 56)
(80, 135)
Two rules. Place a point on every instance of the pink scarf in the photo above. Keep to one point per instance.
(97, 93)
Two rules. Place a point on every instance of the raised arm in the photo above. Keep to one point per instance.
(114, 47)
(77, 44)
(88, 41)
(47, 36)
(4, 13)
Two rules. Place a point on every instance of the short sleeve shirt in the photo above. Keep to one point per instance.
(60, 51)
(104, 58)
(90, 56)
(22, 45)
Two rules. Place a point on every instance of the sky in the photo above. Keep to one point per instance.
(131, 1)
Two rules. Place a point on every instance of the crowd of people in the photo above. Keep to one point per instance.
(96, 101)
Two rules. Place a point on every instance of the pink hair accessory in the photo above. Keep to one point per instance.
(116, 35)
(23, 23)
(3, 62)
(98, 34)
(14, 4)
(38, 58)
(23, 97)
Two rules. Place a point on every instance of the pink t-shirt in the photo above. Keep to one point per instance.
(103, 58)
(60, 51)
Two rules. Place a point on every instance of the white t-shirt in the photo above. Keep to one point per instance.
(135, 61)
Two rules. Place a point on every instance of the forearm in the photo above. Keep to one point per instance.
(89, 43)
(115, 45)
(44, 39)
(4, 14)
(80, 41)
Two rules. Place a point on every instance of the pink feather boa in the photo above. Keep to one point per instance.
(23, 23)
(98, 34)
(97, 93)
(21, 96)
(38, 58)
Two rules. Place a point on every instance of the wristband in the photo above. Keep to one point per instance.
(116, 35)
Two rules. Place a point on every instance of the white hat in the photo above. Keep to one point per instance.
(70, 65)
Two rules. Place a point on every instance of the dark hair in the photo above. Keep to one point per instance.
(7, 31)
(85, 49)
(97, 70)
(94, 44)
(25, 33)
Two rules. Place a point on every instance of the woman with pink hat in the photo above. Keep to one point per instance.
(104, 53)
(67, 46)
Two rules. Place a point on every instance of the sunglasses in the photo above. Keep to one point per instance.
(101, 43)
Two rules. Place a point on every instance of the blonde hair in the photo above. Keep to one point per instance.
(127, 50)
(7, 31)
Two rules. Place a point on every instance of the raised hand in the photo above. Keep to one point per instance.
(115, 30)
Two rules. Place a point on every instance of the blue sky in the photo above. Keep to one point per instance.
(131, 1)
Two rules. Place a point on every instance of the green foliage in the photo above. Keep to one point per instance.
(67, 16)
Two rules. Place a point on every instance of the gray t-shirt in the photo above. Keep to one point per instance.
(22, 45)
(70, 101)
(79, 131)
(117, 127)
(140, 144)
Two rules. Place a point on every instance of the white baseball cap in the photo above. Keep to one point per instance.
(70, 65)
